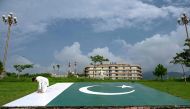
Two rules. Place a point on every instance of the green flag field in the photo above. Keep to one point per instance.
(99, 94)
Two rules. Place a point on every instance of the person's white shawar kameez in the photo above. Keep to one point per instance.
(43, 83)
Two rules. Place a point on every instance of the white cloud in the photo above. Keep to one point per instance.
(122, 43)
(34, 17)
(106, 15)
(152, 51)
(17, 59)
(20, 60)
(107, 54)
(148, 53)
(175, 12)
(109, 15)
(158, 49)
(67, 54)
(132, 13)
(73, 53)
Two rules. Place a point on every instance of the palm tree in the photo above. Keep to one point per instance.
(58, 66)
(54, 68)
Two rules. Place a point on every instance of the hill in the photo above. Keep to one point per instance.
(177, 75)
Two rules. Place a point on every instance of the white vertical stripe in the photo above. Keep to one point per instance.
(40, 99)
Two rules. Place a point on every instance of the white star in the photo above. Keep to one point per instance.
(124, 86)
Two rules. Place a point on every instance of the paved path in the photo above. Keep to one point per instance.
(40, 99)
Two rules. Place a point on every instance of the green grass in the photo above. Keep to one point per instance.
(176, 88)
(12, 88)
(10, 91)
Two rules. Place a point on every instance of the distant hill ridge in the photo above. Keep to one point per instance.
(149, 75)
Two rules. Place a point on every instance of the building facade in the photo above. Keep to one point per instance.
(114, 71)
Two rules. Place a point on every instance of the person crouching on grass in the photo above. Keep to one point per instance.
(43, 83)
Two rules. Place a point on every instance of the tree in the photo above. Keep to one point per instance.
(185, 55)
(179, 60)
(1, 67)
(54, 68)
(183, 58)
(58, 66)
(160, 71)
(97, 58)
(94, 59)
(21, 67)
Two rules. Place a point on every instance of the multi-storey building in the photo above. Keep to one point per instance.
(114, 71)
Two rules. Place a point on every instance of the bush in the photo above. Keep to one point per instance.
(188, 78)
(11, 74)
(43, 74)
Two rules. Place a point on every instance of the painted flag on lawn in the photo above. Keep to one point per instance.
(99, 94)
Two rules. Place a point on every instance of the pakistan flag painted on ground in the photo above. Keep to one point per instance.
(114, 94)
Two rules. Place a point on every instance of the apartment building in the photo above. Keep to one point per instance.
(114, 71)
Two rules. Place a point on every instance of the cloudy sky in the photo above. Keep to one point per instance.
(52, 32)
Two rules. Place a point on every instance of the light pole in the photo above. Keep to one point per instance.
(184, 20)
(10, 20)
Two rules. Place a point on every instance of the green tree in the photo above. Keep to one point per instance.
(54, 68)
(97, 59)
(58, 66)
(21, 67)
(179, 60)
(183, 57)
(1, 68)
(160, 71)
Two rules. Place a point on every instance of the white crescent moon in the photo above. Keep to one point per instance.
(85, 90)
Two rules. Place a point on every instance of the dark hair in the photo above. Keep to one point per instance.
(33, 79)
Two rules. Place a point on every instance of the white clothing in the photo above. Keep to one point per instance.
(43, 83)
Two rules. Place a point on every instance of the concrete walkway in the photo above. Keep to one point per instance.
(40, 99)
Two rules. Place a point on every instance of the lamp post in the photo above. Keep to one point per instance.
(184, 20)
(10, 20)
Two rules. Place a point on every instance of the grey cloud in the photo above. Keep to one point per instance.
(159, 48)
(34, 16)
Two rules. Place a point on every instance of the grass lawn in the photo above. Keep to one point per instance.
(176, 88)
(10, 91)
